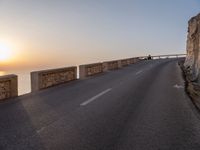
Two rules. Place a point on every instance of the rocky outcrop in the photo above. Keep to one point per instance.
(192, 63)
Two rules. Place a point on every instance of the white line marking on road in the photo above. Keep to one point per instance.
(95, 97)
(178, 86)
(137, 73)
(40, 130)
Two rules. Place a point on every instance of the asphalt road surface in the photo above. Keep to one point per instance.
(139, 107)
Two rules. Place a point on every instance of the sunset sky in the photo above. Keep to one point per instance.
(44, 33)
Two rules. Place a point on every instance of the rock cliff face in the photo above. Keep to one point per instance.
(192, 63)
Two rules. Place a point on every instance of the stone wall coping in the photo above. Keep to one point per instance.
(7, 77)
(93, 64)
(111, 61)
(54, 70)
(124, 59)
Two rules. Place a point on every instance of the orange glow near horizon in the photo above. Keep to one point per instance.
(5, 52)
(2, 73)
(10, 53)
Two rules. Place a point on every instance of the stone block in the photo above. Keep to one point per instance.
(110, 65)
(8, 86)
(48, 78)
(119, 64)
(124, 62)
(90, 70)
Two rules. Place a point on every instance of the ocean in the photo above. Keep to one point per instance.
(24, 83)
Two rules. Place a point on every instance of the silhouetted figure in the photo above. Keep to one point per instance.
(149, 57)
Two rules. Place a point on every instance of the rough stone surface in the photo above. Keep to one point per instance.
(192, 63)
(194, 92)
(5, 89)
(111, 65)
(47, 78)
(8, 87)
(125, 62)
(133, 60)
(90, 69)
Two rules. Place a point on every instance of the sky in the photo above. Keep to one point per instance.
(56, 33)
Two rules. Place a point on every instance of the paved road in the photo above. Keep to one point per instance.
(140, 107)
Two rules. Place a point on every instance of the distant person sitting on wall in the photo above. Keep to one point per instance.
(149, 57)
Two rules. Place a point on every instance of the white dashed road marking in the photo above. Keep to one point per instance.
(95, 97)
(137, 73)
(178, 86)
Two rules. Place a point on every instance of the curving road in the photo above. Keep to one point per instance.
(140, 107)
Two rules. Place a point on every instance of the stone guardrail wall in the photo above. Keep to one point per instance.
(47, 78)
(90, 69)
(137, 60)
(124, 62)
(8, 87)
(164, 56)
(132, 60)
(110, 65)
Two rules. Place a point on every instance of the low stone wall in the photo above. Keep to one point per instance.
(90, 70)
(119, 64)
(47, 78)
(131, 60)
(124, 62)
(8, 86)
(137, 60)
(110, 65)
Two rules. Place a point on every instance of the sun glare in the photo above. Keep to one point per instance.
(5, 52)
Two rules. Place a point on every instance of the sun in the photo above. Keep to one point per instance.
(5, 52)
